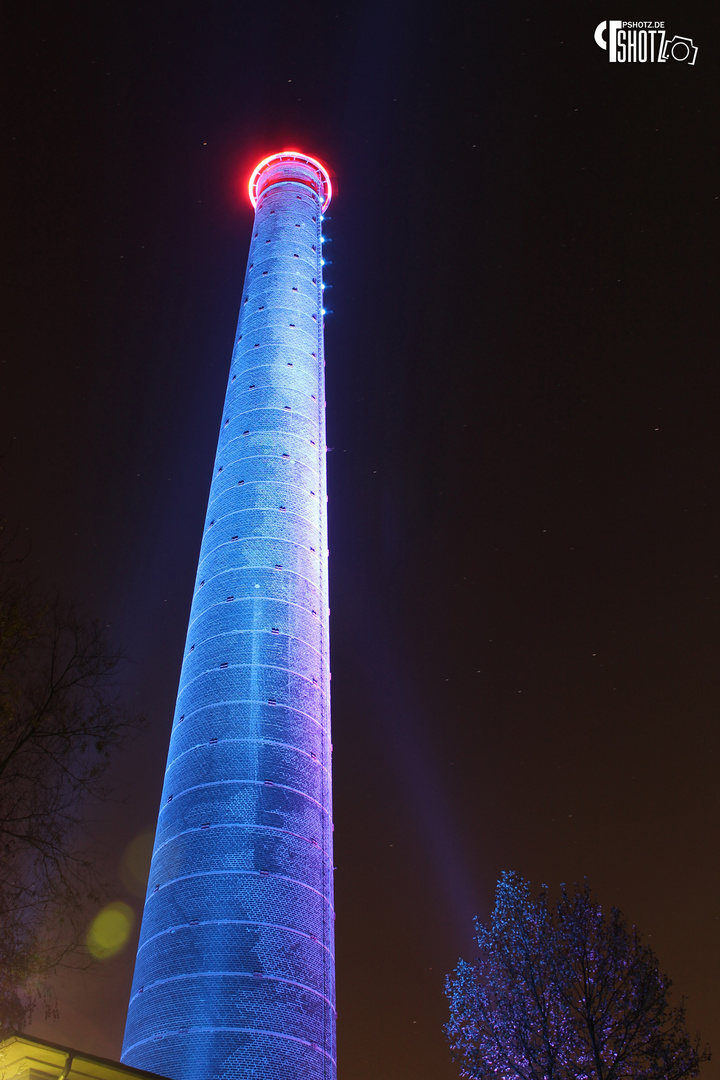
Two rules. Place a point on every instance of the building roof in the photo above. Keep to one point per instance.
(23, 1057)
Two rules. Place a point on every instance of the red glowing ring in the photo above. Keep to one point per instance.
(324, 188)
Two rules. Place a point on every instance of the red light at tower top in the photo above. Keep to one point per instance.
(281, 167)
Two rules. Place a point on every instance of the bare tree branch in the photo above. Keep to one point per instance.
(60, 721)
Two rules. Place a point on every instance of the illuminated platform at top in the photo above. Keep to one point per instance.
(290, 165)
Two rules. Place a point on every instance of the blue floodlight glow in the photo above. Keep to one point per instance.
(235, 970)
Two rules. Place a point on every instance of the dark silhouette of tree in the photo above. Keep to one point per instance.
(561, 991)
(59, 722)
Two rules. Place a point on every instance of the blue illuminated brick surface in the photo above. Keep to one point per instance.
(235, 968)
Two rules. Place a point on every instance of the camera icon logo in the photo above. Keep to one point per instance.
(679, 48)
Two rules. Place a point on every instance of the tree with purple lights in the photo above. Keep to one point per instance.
(561, 991)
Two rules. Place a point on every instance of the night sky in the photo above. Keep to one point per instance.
(522, 395)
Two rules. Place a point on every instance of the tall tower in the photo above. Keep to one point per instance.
(235, 970)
